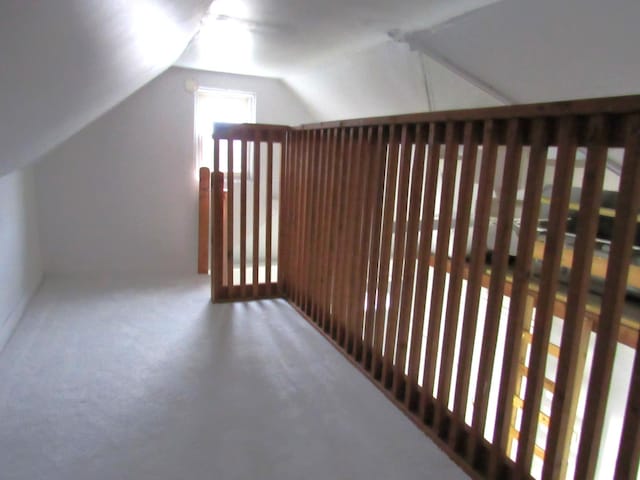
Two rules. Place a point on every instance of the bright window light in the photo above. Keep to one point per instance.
(225, 34)
(213, 105)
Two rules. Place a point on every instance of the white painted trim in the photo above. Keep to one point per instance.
(9, 325)
(427, 84)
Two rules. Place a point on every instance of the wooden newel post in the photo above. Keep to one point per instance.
(204, 203)
(217, 235)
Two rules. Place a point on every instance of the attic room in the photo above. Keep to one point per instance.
(294, 239)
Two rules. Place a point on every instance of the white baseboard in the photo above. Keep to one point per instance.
(8, 326)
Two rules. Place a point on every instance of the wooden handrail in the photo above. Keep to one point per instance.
(250, 131)
(583, 107)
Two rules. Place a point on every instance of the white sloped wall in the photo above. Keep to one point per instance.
(66, 62)
(121, 195)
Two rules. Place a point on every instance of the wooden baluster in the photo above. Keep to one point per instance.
(624, 233)
(230, 214)
(286, 224)
(409, 320)
(519, 312)
(355, 244)
(338, 266)
(305, 221)
(346, 263)
(333, 238)
(450, 165)
(499, 264)
(298, 205)
(463, 214)
(366, 201)
(225, 263)
(216, 169)
(256, 217)
(474, 282)
(385, 251)
(287, 245)
(283, 231)
(328, 234)
(554, 246)
(399, 245)
(312, 228)
(320, 228)
(349, 264)
(376, 200)
(217, 212)
(576, 327)
(269, 216)
(284, 217)
(399, 385)
(358, 270)
(243, 220)
(424, 264)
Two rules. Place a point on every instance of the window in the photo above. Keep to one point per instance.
(214, 105)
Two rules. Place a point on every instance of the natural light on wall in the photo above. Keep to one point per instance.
(157, 34)
(214, 105)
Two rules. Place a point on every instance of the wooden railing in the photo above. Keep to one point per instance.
(413, 243)
(244, 240)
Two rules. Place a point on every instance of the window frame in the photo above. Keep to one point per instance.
(200, 136)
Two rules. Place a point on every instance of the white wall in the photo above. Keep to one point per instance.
(20, 262)
(67, 62)
(121, 195)
(387, 79)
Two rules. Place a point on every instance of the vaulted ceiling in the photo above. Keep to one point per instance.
(64, 63)
(283, 37)
(543, 50)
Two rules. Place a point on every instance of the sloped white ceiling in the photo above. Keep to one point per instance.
(387, 79)
(513, 51)
(544, 50)
(284, 37)
(65, 62)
